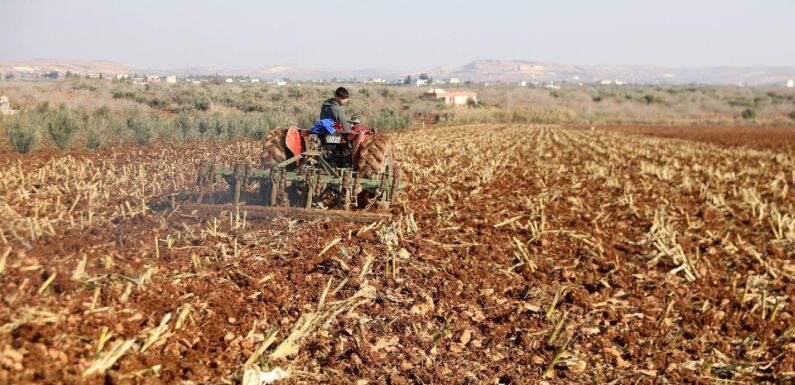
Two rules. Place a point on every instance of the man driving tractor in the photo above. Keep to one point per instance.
(333, 109)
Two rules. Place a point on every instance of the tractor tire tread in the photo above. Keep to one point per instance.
(370, 157)
(274, 149)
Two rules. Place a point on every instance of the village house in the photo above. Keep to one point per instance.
(5, 106)
(452, 98)
(171, 79)
(152, 79)
(790, 83)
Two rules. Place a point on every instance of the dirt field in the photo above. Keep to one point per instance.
(518, 255)
(774, 138)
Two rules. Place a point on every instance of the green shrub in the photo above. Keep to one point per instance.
(249, 105)
(158, 103)
(62, 126)
(741, 101)
(85, 86)
(295, 93)
(792, 115)
(202, 103)
(43, 108)
(389, 119)
(23, 133)
(306, 120)
(141, 128)
(218, 125)
(183, 124)
(204, 126)
(95, 132)
(233, 125)
(256, 128)
(748, 114)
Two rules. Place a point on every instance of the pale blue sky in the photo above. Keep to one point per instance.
(403, 35)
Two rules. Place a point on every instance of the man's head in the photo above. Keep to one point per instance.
(342, 95)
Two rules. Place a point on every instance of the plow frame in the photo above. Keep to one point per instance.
(311, 175)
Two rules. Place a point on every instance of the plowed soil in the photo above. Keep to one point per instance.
(775, 138)
(517, 255)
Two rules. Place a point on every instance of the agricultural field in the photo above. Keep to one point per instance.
(78, 114)
(518, 254)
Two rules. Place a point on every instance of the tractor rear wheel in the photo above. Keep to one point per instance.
(274, 150)
(374, 157)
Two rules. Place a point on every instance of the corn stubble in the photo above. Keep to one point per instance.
(519, 253)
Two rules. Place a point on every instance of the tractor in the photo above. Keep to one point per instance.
(316, 172)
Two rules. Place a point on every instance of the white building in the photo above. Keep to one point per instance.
(255, 80)
(454, 81)
(552, 86)
(421, 82)
(171, 79)
(456, 98)
(790, 83)
(153, 79)
(122, 76)
(5, 106)
(523, 83)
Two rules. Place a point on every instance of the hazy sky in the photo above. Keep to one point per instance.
(403, 35)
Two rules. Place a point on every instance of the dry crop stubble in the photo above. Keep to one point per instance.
(519, 253)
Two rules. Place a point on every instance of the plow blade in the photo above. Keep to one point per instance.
(260, 212)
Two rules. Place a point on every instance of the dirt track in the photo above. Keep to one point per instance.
(518, 254)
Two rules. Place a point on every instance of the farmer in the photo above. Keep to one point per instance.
(333, 109)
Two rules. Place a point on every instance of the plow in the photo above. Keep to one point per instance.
(308, 174)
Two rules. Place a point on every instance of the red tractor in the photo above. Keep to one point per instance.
(316, 169)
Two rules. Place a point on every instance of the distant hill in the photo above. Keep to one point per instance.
(83, 67)
(508, 71)
(518, 70)
(282, 72)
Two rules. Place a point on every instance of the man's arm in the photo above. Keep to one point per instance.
(342, 118)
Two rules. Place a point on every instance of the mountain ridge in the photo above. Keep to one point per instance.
(485, 70)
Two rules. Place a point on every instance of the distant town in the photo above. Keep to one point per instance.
(420, 81)
(480, 72)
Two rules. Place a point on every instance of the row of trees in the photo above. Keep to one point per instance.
(66, 128)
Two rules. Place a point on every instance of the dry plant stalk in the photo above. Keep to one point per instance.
(4, 259)
(106, 361)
